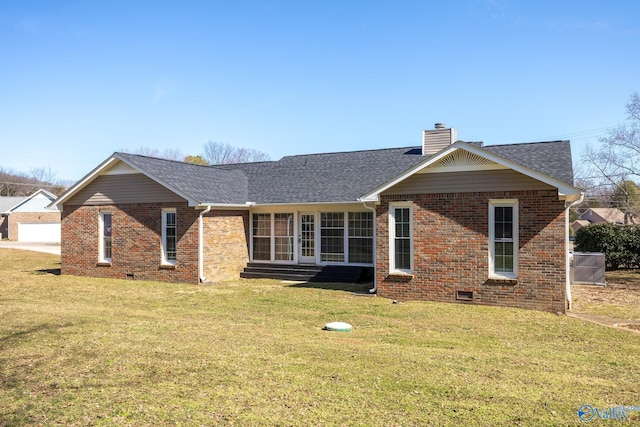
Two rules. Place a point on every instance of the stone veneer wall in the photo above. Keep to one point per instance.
(226, 244)
(451, 251)
(136, 244)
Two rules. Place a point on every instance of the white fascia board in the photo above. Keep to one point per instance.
(83, 182)
(102, 167)
(223, 206)
(564, 190)
(192, 202)
(42, 191)
(352, 202)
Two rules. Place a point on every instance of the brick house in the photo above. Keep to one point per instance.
(30, 218)
(445, 221)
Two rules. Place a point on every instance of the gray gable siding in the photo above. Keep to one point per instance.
(129, 188)
(466, 182)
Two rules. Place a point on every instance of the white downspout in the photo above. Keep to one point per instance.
(373, 209)
(201, 244)
(568, 254)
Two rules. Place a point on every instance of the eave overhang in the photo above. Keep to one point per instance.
(476, 158)
(104, 167)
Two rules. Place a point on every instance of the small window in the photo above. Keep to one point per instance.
(169, 236)
(503, 239)
(401, 237)
(104, 250)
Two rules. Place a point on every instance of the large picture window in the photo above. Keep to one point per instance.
(169, 236)
(105, 227)
(503, 238)
(272, 236)
(401, 237)
(342, 237)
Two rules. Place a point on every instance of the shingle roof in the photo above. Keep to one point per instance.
(203, 184)
(552, 158)
(329, 177)
(326, 177)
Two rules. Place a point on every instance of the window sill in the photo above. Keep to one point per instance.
(103, 264)
(167, 266)
(501, 280)
(400, 276)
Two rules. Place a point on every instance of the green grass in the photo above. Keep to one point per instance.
(84, 351)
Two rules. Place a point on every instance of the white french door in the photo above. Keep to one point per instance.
(307, 238)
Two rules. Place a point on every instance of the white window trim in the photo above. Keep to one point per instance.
(392, 237)
(493, 203)
(163, 242)
(101, 257)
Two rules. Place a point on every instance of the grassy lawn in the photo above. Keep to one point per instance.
(82, 351)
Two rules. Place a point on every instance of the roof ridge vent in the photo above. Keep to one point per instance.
(434, 140)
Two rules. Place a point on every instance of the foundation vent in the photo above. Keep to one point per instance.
(464, 295)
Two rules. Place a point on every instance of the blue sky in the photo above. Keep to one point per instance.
(82, 79)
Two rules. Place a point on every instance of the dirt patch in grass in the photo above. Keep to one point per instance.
(618, 302)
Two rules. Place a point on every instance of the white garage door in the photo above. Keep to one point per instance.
(28, 232)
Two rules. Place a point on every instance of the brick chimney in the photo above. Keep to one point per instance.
(434, 140)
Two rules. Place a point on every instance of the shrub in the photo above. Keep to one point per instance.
(620, 243)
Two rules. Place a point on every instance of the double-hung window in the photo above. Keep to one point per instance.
(503, 238)
(401, 237)
(104, 246)
(169, 236)
(332, 236)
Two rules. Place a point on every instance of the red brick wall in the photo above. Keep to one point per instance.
(16, 218)
(136, 242)
(226, 244)
(451, 250)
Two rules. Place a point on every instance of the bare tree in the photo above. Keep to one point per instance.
(221, 153)
(45, 175)
(14, 183)
(169, 154)
(616, 161)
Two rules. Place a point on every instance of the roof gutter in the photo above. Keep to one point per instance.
(373, 209)
(567, 253)
(201, 244)
(225, 205)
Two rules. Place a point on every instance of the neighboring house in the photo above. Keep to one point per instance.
(578, 224)
(610, 215)
(29, 219)
(446, 221)
(598, 215)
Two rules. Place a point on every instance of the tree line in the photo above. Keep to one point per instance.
(13, 183)
(610, 172)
